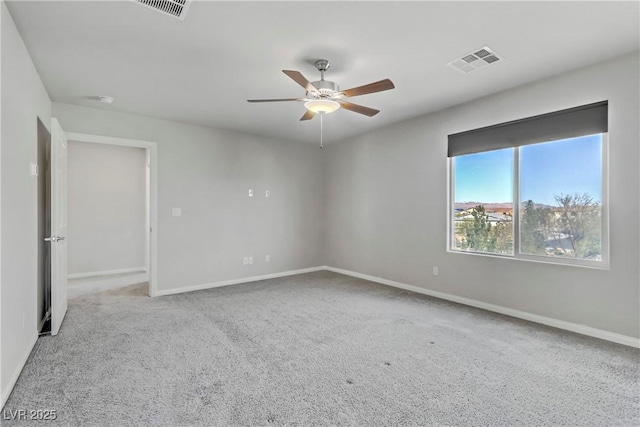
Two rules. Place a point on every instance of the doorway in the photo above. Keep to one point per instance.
(113, 279)
(43, 172)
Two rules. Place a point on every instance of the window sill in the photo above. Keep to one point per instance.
(596, 265)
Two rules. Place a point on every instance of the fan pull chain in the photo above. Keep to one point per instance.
(321, 116)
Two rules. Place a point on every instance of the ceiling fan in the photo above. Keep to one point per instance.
(324, 96)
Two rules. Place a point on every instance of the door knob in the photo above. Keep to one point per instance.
(53, 239)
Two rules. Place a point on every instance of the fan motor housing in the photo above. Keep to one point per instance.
(326, 88)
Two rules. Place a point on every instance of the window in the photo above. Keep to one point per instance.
(554, 167)
(483, 207)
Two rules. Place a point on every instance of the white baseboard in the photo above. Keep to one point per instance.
(236, 281)
(560, 324)
(107, 272)
(6, 392)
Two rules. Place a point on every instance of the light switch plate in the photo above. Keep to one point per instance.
(176, 212)
(267, 193)
(33, 169)
(250, 193)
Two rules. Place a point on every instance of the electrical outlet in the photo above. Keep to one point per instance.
(435, 270)
(267, 193)
(245, 260)
(250, 193)
(250, 260)
(267, 258)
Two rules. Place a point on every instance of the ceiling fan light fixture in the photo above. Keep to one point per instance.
(322, 106)
(325, 97)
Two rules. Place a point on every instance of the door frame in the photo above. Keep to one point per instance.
(151, 196)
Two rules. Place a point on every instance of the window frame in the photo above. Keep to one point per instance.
(603, 264)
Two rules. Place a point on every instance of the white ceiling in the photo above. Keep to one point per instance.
(202, 70)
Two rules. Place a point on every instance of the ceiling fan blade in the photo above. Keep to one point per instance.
(308, 115)
(358, 108)
(301, 80)
(275, 100)
(379, 86)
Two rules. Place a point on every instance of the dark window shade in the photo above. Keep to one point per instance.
(573, 122)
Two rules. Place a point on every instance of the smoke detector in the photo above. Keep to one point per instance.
(475, 60)
(176, 8)
(106, 99)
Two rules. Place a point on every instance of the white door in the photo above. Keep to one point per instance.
(58, 226)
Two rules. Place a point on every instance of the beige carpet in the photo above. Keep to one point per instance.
(318, 349)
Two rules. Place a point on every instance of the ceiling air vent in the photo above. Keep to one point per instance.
(475, 60)
(175, 8)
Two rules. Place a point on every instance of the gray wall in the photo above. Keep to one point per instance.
(207, 173)
(387, 205)
(106, 214)
(24, 99)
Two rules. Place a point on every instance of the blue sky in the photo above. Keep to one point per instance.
(569, 166)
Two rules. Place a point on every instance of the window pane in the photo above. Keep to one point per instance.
(483, 202)
(561, 198)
